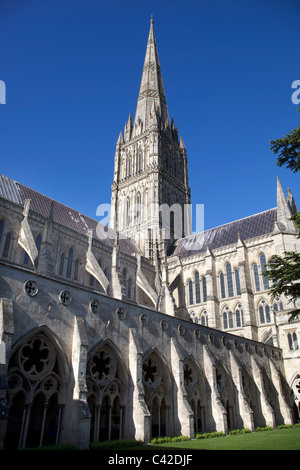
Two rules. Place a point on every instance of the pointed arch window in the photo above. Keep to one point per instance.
(239, 316)
(225, 320)
(61, 264)
(256, 277)
(197, 288)
(293, 341)
(264, 312)
(237, 281)
(6, 246)
(76, 269)
(128, 169)
(203, 318)
(229, 280)
(204, 289)
(277, 305)
(128, 212)
(191, 294)
(34, 364)
(129, 288)
(1, 230)
(263, 262)
(222, 285)
(138, 208)
(69, 263)
(140, 162)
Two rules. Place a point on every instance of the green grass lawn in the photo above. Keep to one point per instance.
(280, 439)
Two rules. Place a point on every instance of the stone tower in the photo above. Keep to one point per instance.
(150, 192)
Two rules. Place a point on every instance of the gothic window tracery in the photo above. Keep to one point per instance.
(196, 290)
(277, 305)
(196, 393)
(157, 394)
(263, 262)
(35, 395)
(264, 312)
(106, 385)
(293, 340)
(259, 279)
(233, 319)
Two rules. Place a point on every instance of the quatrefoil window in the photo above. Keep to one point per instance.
(65, 297)
(31, 288)
(94, 306)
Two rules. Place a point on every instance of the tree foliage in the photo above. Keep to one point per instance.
(288, 149)
(284, 272)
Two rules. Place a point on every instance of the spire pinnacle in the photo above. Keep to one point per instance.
(151, 88)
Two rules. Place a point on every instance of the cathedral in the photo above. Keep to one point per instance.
(141, 328)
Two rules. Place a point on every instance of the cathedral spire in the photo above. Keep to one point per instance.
(152, 91)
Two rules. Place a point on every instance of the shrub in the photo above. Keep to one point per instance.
(284, 426)
(208, 435)
(53, 447)
(163, 440)
(264, 428)
(115, 445)
(233, 432)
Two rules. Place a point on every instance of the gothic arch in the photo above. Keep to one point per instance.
(157, 386)
(226, 392)
(37, 374)
(196, 391)
(295, 391)
(107, 381)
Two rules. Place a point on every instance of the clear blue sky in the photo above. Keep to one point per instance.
(72, 70)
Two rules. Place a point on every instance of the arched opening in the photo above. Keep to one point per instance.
(35, 394)
(157, 394)
(106, 380)
(195, 388)
(226, 393)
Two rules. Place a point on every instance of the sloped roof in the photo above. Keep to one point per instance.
(227, 234)
(63, 215)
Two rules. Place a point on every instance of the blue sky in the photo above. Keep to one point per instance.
(72, 70)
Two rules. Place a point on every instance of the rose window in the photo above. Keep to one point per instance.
(36, 357)
(188, 375)
(151, 372)
(102, 366)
